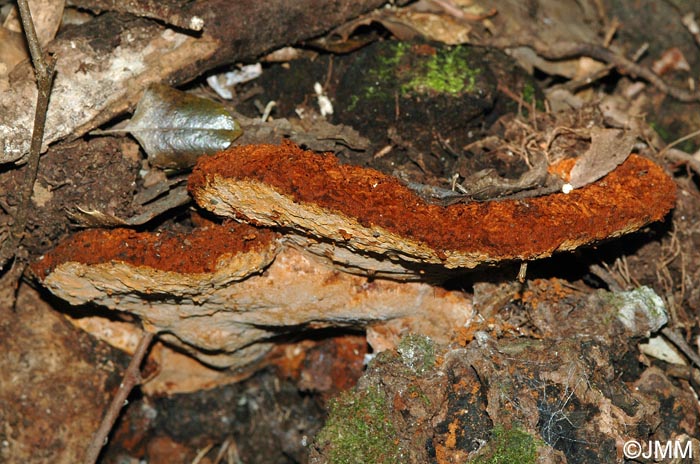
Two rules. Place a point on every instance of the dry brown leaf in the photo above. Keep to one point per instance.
(46, 15)
(421, 19)
(93, 218)
(317, 135)
(13, 50)
(609, 148)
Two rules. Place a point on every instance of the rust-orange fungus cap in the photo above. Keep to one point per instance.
(195, 252)
(285, 186)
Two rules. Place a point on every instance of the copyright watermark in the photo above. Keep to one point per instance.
(657, 450)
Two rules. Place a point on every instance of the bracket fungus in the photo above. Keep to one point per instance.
(374, 214)
(224, 292)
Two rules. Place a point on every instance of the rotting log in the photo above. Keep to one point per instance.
(104, 65)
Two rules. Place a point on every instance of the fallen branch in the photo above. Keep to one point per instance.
(132, 378)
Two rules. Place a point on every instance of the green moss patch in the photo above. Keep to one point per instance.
(509, 446)
(446, 72)
(417, 352)
(359, 429)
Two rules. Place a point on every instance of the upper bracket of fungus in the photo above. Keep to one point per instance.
(369, 212)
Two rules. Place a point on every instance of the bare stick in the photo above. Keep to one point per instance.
(682, 157)
(692, 25)
(132, 378)
(44, 78)
(565, 50)
(679, 141)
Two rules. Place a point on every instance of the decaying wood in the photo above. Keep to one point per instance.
(104, 65)
(222, 292)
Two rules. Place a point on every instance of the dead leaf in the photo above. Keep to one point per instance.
(418, 20)
(529, 59)
(175, 128)
(94, 218)
(46, 15)
(609, 148)
(439, 27)
(13, 51)
(487, 184)
(324, 136)
(671, 60)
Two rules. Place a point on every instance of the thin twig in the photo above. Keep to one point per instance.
(679, 141)
(692, 25)
(132, 378)
(681, 344)
(683, 157)
(607, 277)
(203, 452)
(44, 78)
(40, 66)
(9, 282)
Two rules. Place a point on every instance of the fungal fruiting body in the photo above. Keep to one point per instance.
(370, 212)
(221, 292)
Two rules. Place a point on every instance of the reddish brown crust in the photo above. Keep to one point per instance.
(195, 252)
(636, 193)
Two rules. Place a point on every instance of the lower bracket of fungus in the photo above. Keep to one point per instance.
(373, 213)
(222, 292)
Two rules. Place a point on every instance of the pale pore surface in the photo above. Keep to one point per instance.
(229, 323)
